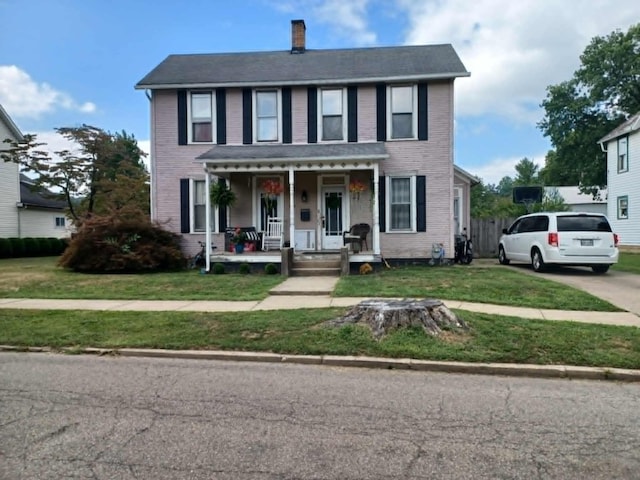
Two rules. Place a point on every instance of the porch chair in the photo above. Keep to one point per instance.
(272, 238)
(357, 235)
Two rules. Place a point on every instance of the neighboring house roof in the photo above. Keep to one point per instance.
(572, 195)
(473, 180)
(15, 131)
(40, 198)
(316, 151)
(376, 64)
(631, 125)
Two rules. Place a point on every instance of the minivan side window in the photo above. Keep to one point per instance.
(583, 223)
(541, 223)
(515, 226)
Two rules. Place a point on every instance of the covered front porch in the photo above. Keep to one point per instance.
(317, 192)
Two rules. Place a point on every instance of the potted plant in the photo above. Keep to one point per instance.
(238, 239)
(221, 195)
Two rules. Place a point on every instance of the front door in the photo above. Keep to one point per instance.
(332, 217)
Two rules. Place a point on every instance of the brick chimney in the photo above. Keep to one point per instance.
(298, 30)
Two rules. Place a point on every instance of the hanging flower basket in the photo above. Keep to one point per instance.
(356, 188)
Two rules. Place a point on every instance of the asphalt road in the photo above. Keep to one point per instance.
(621, 289)
(134, 418)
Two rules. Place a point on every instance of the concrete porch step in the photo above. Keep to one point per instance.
(316, 263)
(315, 271)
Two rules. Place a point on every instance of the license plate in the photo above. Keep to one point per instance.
(586, 243)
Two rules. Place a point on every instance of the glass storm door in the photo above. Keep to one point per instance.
(332, 217)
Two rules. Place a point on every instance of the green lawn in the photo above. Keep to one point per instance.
(490, 338)
(41, 278)
(628, 262)
(484, 284)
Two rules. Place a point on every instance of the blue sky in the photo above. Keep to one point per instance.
(68, 62)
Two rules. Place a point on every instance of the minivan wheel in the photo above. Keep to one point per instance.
(502, 256)
(600, 268)
(536, 261)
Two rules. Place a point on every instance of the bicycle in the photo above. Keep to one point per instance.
(199, 260)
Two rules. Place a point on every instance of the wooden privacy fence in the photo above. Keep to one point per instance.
(485, 234)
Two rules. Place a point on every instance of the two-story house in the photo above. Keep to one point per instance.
(622, 146)
(347, 136)
(25, 211)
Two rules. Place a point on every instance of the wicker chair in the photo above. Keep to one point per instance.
(357, 236)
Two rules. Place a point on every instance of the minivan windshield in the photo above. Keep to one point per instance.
(583, 223)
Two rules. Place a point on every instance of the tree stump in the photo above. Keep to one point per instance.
(382, 316)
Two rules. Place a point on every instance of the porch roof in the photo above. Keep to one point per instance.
(311, 156)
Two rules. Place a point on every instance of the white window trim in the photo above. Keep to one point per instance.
(190, 120)
(625, 153)
(619, 209)
(255, 114)
(344, 115)
(414, 117)
(192, 208)
(412, 198)
(63, 222)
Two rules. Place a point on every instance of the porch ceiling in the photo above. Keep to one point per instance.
(335, 156)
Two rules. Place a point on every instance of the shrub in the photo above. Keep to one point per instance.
(270, 269)
(217, 269)
(17, 247)
(31, 247)
(118, 243)
(245, 268)
(5, 248)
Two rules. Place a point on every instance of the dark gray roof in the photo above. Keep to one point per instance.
(38, 197)
(317, 151)
(629, 126)
(310, 67)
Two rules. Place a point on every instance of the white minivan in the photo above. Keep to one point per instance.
(560, 238)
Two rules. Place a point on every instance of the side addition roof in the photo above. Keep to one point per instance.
(41, 198)
(6, 119)
(378, 64)
(631, 125)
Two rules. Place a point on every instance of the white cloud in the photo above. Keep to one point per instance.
(494, 170)
(23, 97)
(514, 50)
(348, 18)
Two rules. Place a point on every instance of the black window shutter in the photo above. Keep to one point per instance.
(222, 212)
(182, 117)
(382, 187)
(287, 134)
(381, 111)
(421, 203)
(352, 112)
(247, 115)
(423, 109)
(184, 205)
(312, 115)
(221, 116)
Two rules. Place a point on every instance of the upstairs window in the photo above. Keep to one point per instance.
(267, 115)
(332, 112)
(402, 108)
(201, 120)
(623, 155)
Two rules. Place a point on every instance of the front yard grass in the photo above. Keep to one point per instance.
(495, 284)
(491, 338)
(41, 278)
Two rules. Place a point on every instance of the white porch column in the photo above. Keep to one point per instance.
(376, 210)
(292, 210)
(207, 220)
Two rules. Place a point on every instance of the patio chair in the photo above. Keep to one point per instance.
(272, 238)
(357, 235)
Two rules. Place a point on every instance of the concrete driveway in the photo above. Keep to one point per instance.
(619, 288)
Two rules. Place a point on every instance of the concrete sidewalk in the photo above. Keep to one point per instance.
(292, 302)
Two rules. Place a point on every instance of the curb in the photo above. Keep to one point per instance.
(503, 369)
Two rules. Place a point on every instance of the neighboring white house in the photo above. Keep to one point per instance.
(580, 202)
(622, 146)
(25, 212)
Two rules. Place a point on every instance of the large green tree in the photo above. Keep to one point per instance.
(102, 173)
(578, 112)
